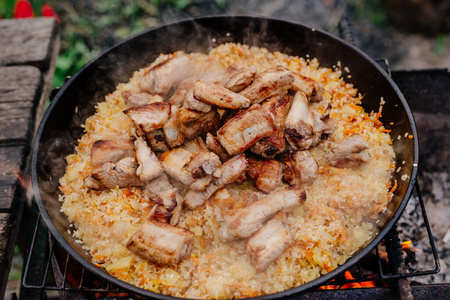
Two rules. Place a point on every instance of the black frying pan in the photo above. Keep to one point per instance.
(60, 127)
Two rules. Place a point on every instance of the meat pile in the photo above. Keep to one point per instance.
(194, 134)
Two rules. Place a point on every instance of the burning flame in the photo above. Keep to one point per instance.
(350, 285)
(407, 246)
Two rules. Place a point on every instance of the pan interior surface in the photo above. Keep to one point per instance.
(61, 126)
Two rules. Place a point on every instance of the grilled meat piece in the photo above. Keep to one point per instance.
(205, 163)
(149, 117)
(268, 83)
(242, 223)
(245, 129)
(299, 123)
(322, 128)
(187, 86)
(172, 129)
(191, 103)
(195, 170)
(241, 80)
(219, 96)
(157, 140)
(194, 123)
(184, 88)
(266, 174)
(310, 87)
(232, 169)
(169, 204)
(160, 214)
(299, 167)
(275, 143)
(195, 145)
(175, 162)
(254, 168)
(149, 165)
(158, 185)
(119, 174)
(161, 243)
(139, 99)
(162, 77)
(110, 150)
(92, 183)
(268, 243)
(350, 153)
(271, 145)
(213, 144)
(279, 108)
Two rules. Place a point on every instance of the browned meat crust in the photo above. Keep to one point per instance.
(245, 129)
(299, 167)
(194, 123)
(269, 83)
(311, 88)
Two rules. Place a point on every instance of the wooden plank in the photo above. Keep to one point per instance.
(8, 236)
(7, 190)
(20, 90)
(19, 83)
(12, 161)
(27, 41)
(6, 249)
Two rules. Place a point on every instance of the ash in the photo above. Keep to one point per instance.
(435, 189)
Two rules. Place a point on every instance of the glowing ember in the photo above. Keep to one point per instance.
(350, 285)
(407, 246)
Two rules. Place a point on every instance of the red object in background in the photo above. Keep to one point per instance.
(23, 9)
(47, 11)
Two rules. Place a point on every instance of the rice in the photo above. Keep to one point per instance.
(335, 222)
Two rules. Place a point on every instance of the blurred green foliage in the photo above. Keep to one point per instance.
(372, 11)
(90, 26)
(6, 8)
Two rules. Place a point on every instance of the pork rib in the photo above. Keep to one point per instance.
(266, 245)
(269, 83)
(232, 169)
(245, 129)
(219, 96)
(160, 78)
(161, 243)
(242, 223)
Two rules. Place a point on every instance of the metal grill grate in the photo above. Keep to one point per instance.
(39, 275)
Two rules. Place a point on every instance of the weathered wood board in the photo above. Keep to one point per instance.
(27, 41)
(20, 88)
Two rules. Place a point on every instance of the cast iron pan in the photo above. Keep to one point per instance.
(60, 127)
